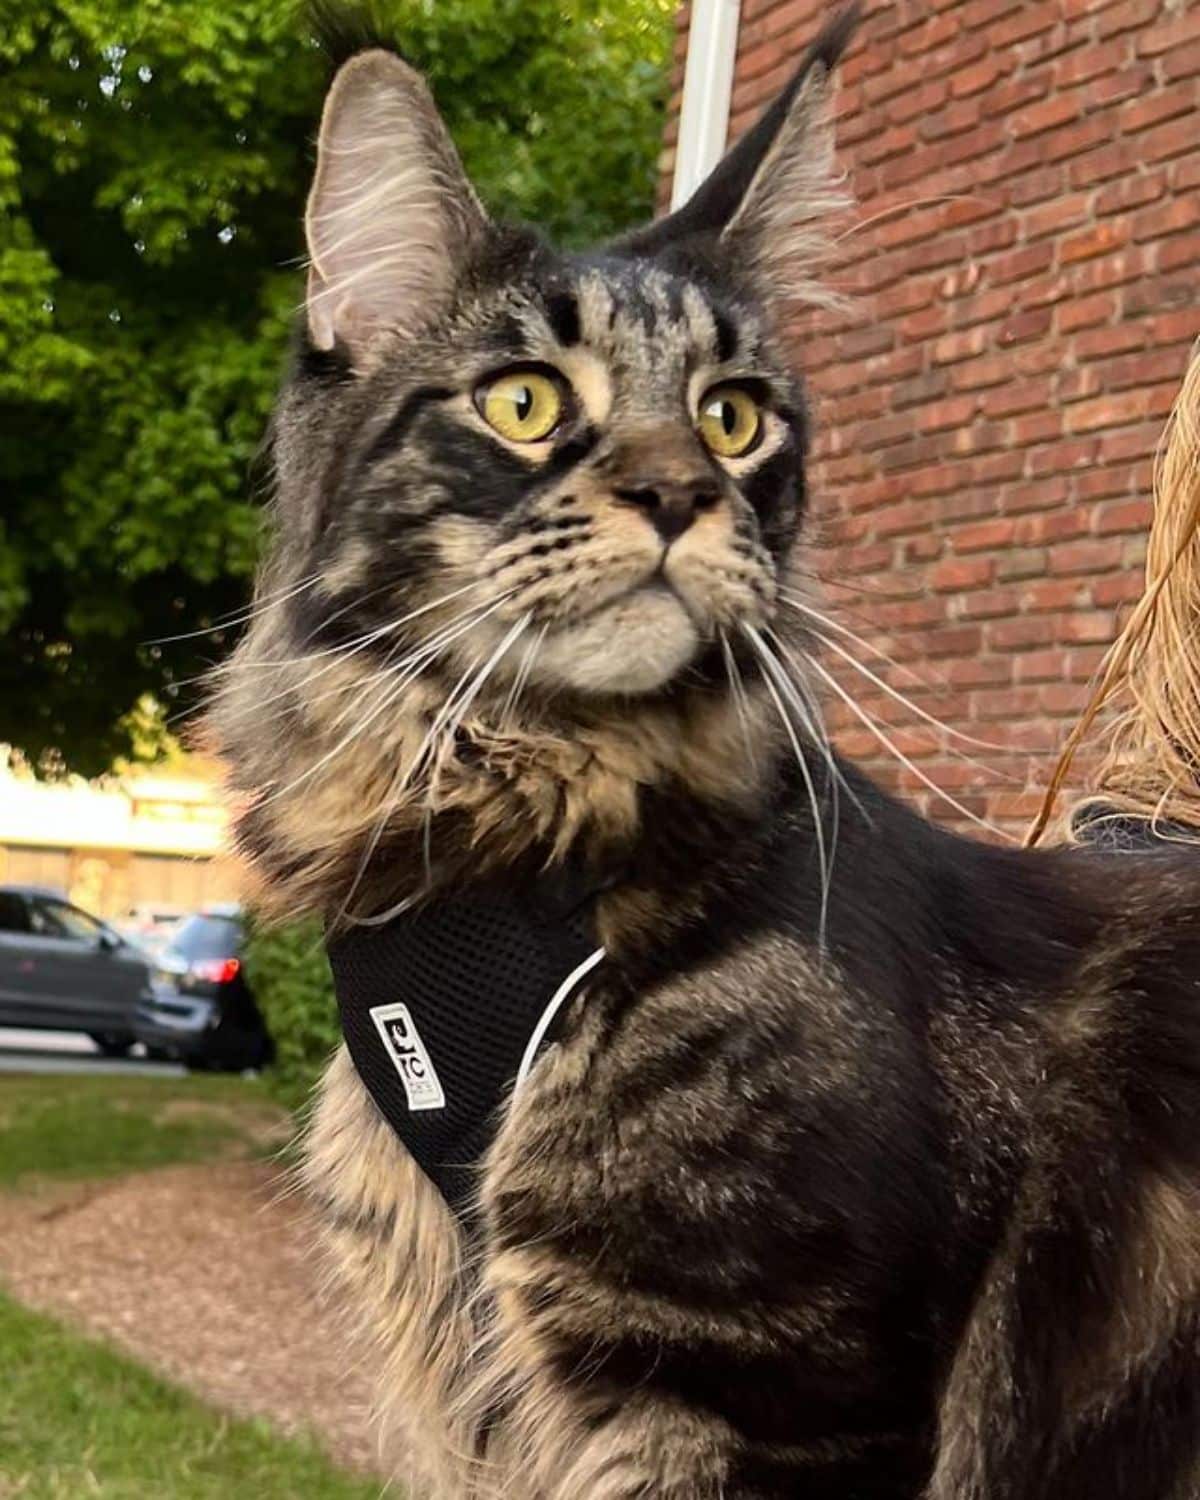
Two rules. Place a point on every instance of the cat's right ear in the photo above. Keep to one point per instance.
(391, 214)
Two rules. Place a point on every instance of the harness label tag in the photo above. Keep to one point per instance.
(402, 1043)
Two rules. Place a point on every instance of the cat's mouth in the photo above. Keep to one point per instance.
(633, 644)
(657, 586)
(660, 585)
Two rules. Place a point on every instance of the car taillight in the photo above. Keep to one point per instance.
(215, 970)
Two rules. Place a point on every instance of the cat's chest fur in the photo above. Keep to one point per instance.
(730, 1172)
(750, 1196)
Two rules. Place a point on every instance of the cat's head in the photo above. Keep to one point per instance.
(508, 475)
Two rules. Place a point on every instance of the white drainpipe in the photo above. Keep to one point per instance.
(707, 89)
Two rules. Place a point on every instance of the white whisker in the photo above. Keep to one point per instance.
(770, 669)
(912, 204)
(738, 689)
(240, 616)
(471, 691)
(353, 649)
(523, 672)
(451, 727)
(405, 780)
(461, 625)
(387, 699)
(380, 917)
(899, 754)
(809, 709)
(237, 665)
(879, 681)
(970, 760)
(374, 635)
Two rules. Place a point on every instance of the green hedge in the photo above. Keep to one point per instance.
(289, 974)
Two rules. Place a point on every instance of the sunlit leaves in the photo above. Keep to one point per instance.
(154, 157)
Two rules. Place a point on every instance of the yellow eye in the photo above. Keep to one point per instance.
(523, 406)
(730, 421)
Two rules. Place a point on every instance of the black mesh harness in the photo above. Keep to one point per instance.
(446, 1008)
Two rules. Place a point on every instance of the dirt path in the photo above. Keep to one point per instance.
(205, 1275)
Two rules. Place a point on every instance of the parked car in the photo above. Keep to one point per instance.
(64, 970)
(201, 1010)
(148, 927)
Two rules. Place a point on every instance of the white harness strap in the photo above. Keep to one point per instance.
(558, 1000)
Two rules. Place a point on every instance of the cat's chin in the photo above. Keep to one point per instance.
(635, 645)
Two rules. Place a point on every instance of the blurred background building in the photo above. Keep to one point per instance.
(139, 844)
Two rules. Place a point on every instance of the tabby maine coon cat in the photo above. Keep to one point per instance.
(866, 1165)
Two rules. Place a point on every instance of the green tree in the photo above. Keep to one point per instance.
(154, 155)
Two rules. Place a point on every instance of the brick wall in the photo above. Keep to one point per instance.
(1024, 263)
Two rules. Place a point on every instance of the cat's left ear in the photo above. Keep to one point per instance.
(765, 205)
(391, 216)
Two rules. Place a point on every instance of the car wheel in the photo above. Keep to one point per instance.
(112, 1045)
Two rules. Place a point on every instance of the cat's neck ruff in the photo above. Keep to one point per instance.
(497, 793)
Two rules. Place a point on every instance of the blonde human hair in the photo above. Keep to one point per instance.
(1151, 673)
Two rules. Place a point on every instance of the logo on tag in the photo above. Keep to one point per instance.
(402, 1043)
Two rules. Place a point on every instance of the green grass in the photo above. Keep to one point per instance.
(77, 1419)
(66, 1127)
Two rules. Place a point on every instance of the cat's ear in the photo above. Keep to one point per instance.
(391, 214)
(767, 202)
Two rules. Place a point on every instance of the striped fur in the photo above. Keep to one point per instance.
(868, 1164)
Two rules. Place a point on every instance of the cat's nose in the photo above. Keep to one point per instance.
(670, 506)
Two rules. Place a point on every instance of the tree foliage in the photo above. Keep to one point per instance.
(154, 156)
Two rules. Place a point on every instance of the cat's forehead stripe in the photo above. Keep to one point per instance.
(597, 307)
(562, 310)
(652, 320)
(701, 324)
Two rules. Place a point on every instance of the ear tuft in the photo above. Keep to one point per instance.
(343, 28)
(391, 215)
(781, 227)
(836, 35)
(765, 204)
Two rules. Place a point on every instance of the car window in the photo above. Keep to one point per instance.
(14, 914)
(206, 937)
(57, 919)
